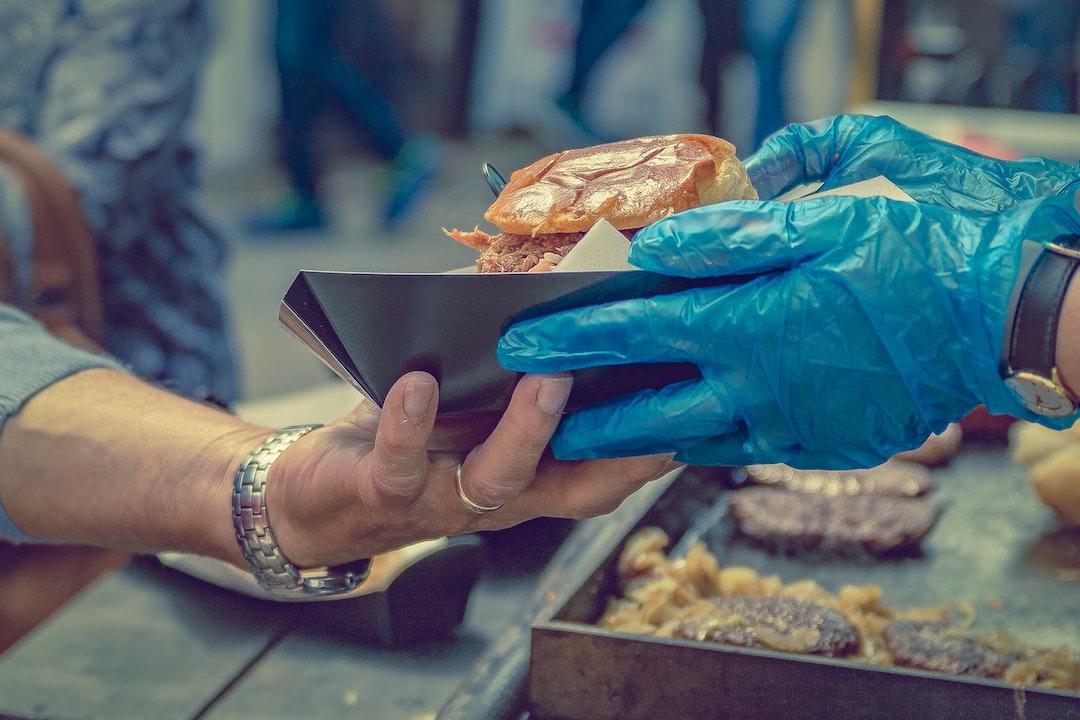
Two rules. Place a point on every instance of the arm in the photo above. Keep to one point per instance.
(1068, 336)
(1055, 466)
(31, 360)
(102, 458)
(880, 322)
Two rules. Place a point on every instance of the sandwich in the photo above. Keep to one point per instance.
(548, 206)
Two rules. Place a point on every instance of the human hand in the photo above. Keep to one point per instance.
(1052, 459)
(844, 149)
(1057, 481)
(370, 482)
(874, 324)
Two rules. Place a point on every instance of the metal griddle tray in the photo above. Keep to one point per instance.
(994, 544)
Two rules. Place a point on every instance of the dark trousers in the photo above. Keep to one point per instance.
(770, 25)
(765, 27)
(602, 24)
(312, 70)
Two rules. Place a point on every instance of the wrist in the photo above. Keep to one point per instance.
(212, 533)
(1068, 338)
(296, 506)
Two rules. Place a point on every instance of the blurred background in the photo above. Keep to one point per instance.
(342, 134)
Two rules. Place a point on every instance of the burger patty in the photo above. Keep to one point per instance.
(778, 623)
(931, 646)
(844, 525)
(519, 253)
(901, 479)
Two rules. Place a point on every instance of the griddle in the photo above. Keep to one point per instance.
(996, 545)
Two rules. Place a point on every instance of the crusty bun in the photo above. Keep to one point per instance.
(630, 184)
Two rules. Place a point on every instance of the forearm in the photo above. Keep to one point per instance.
(102, 458)
(1068, 337)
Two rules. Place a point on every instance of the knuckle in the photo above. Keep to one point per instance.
(398, 484)
(400, 440)
(490, 489)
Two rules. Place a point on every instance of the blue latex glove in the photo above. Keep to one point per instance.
(844, 149)
(878, 322)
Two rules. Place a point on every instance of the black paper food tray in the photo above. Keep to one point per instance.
(370, 328)
(995, 543)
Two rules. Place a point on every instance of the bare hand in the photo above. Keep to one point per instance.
(372, 482)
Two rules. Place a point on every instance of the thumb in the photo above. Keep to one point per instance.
(399, 461)
(808, 152)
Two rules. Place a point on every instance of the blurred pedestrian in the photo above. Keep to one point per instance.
(764, 28)
(313, 69)
(769, 28)
(106, 90)
(97, 99)
(602, 23)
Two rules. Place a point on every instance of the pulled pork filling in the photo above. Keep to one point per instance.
(518, 253)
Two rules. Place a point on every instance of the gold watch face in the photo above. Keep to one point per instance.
(1040, 395)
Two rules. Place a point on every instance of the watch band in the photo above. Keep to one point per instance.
(251, 520)
(1032, 348)
(1034, 336)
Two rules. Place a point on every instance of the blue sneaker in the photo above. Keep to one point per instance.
(292, 213)
(413, 170)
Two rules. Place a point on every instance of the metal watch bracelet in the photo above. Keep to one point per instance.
(251, 520)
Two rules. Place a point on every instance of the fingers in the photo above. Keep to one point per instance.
(803, 153)
(730, 450)
(1050, 218)
(653, 421)
(459, 434)
(497, 471)
(587, 489)
(399, 461)
(647, 330)
(741, 237)
(1057, 481)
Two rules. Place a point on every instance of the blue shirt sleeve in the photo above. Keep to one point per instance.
(30, 361)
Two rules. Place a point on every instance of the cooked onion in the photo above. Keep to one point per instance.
(660, 593)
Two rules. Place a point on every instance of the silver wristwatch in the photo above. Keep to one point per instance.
(251, 519)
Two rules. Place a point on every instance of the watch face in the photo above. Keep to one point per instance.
(1040, 395)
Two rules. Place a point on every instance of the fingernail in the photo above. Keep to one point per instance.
(553, 393)
(418, 398)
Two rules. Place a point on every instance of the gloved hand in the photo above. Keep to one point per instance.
(847, 148)
(877, 323)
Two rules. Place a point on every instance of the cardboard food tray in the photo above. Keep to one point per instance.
(994, 544)
(370, 328)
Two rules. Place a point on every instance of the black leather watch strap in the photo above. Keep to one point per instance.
(1033, 341)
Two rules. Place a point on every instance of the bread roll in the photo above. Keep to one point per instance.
(630, 183)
